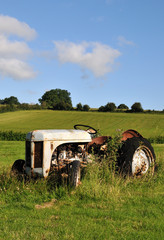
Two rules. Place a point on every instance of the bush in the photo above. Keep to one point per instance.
(8, 108)
(86, 108)
(101, 109)
(62, 106)
(109, 107)
(137, 107)
(12, 136)
(79, 107)
(11, 100)
(123, 107)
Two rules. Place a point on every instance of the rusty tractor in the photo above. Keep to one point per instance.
(66, 152)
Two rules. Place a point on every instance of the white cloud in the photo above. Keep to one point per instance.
(11, 26)
(16, 69)
(123, 41)
(94, 56)
(10, 49)
(13, 53)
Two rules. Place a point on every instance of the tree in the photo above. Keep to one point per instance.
(44, 105)
(79, 107)
(62, 106)
(110, 107)
(123, 106)
(101, 109)
(137, 107)
(11, 100)
(24, 106)
(86, 108)
(57, 98)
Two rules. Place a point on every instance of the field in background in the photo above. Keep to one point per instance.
(149, 125)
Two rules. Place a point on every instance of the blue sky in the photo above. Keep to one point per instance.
(99, 50)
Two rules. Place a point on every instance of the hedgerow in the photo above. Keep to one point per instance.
(12, 136)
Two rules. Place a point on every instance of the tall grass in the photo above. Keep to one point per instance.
(104, 206)
(100, 182)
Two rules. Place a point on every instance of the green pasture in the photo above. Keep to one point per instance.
(100, 208)
(149, 125)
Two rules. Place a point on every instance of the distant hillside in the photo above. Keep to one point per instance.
(149, 125)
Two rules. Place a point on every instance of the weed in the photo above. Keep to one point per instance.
(112, 151)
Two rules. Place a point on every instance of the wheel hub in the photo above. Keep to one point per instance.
(140, 162)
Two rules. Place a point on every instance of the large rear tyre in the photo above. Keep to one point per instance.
(136, 157)
(74, 176)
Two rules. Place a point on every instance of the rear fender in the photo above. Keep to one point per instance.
(130, 134)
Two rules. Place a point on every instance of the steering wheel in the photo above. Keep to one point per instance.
(87, 128)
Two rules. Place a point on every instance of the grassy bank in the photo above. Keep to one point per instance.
(105, 206)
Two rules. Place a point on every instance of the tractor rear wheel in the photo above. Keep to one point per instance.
(136, 157)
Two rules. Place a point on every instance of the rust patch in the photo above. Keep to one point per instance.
(99, 140)
(130, 134)
(140, 170)
(52, 147)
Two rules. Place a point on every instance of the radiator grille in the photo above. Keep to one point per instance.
(28, 153)
(38, 154)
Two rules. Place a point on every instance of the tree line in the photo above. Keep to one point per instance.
(58, 99)
(12, 104)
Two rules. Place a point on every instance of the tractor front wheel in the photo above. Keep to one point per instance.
(18, 167)
(74, 175)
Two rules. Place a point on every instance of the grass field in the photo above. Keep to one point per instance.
(109, 207)
(116, 208)
(147, 124)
